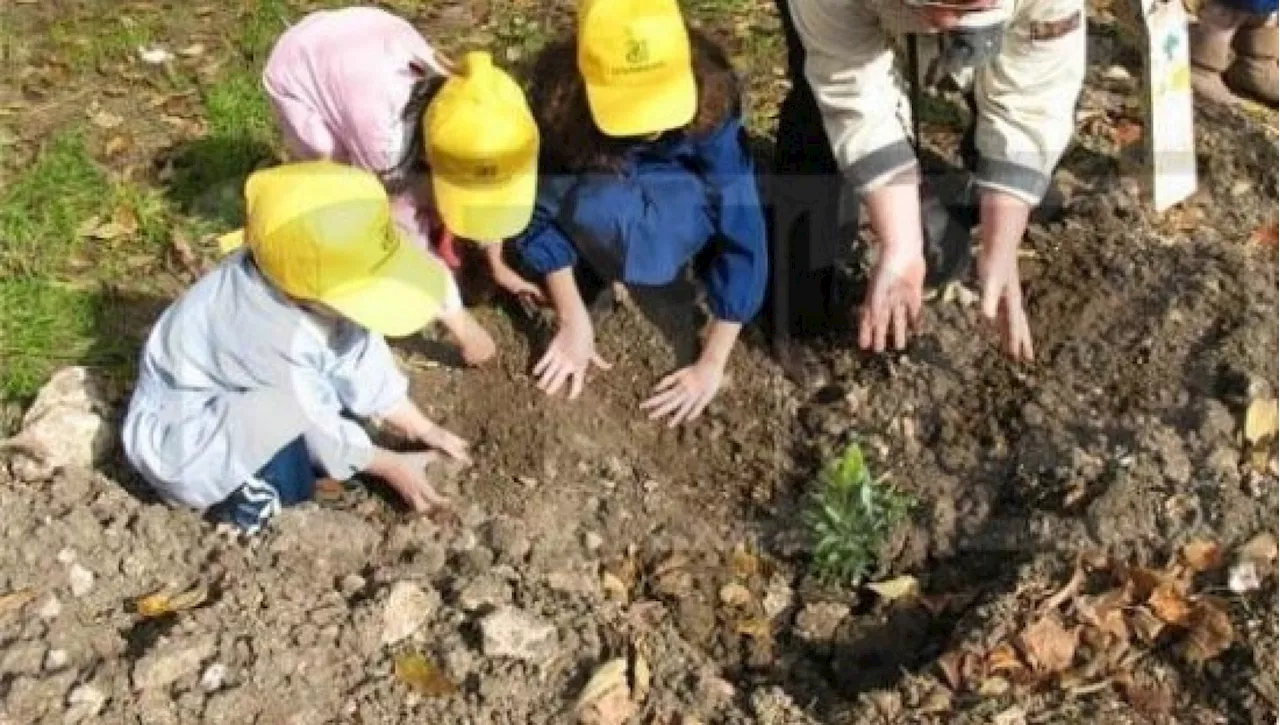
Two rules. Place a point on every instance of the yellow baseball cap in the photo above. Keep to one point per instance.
(638, 65)
(322, 232)
(482, 147)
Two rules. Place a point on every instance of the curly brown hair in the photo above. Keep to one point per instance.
(571, 141)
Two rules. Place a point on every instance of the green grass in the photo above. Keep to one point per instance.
(40, 212)
(44, 326)
(85, 44)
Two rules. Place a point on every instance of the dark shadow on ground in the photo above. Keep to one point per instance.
(206, 177)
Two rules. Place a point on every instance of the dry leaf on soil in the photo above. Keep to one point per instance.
(1202, 555)
(423, 676)
(735, 595)
(606, 699)
(1170, 605)
(1267, 235)
(745, 564)
(1048, 645)
(16, 600)
(1004, 658)
(1262, 548)
(1105, 612)
(754, 627)
(951, 665)
(896, 588)
(1210, 631)
(166, 601)
(993, 687)
(1147, 625)
(1261, 420)
(1153, 699)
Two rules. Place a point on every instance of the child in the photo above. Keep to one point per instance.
(362, 86)
(645, 170)
(246, 380)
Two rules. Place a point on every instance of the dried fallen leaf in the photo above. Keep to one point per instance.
(106, 120)
(936, 702)
(1126, 132)
(15, 600)
(1153, 699)
(1015, 715)
(1004, 658)
(951, 663)
(1147, 625)
(606, 699)
(1069, 590)
(1202, 555)
(1261, 420)
(613, 587)
(1170, 605)
(165, 602)
(896, 588)
(1105, 613)
(745, 564)
(1262, 548)
(154, 56)
(1139, 582)
(116, 145)
(1048, 645)
(993, 687)
(192, 51)
(1210, 632)
(423, 676)
(1267, 235)
(641, 678)
(754, 627)
(735, 595)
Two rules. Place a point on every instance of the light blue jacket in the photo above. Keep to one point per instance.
(233, 372)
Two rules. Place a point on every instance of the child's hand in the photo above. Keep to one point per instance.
(433, 436)
(407, 474)
(1002, 302)
(684, 394)
(508, 279)
(572, 351)
(474, 342)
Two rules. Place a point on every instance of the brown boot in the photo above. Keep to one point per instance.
(1255, 72)
(1211, 51)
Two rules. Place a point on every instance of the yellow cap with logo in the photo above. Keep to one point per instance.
(322, 232)
(482, 148)
(637, 63)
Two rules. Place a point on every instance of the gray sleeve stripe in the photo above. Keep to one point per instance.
(873, 167)
(1004, 173)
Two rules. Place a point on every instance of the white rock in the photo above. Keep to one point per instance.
(818, 621)
(486, 592)
(63, 428)
(80, 579)
(1244, 577)
(777, 597)
(50, 609)
(56, 659)
(154, 56)
(213, 678)
(407, 608)
(592, 541)
(516, 634)
(164, 666)
(83, 703)
(66, 555)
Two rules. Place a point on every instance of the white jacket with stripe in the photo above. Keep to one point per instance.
(1026, 94)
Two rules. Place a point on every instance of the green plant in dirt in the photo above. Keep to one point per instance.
(850, 517)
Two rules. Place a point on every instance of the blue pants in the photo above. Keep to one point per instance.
(288, 479)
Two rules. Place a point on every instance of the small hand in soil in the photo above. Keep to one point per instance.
(1002, 303)
(571, 353)
(434, 436)
(407, 474)
(684, 394)
(892, 308)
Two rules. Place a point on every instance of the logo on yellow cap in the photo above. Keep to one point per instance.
(322, 232)
(637, 63)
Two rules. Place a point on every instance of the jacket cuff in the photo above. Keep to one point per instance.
(880, 166)
(1024, 182)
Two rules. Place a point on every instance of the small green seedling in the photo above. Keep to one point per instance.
(850, 517)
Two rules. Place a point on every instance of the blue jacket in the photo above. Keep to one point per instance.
(642, 225)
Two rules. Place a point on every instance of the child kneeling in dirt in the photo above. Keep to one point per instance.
(246, 380)
(361, 86)
(645, 170)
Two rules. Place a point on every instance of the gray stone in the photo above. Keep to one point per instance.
(214, 677)
(56, 659)
(408, 606)
(80, 579)
(486, 592)
(83, 703)
(515, 634)
(817, 621)
(166, 665)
